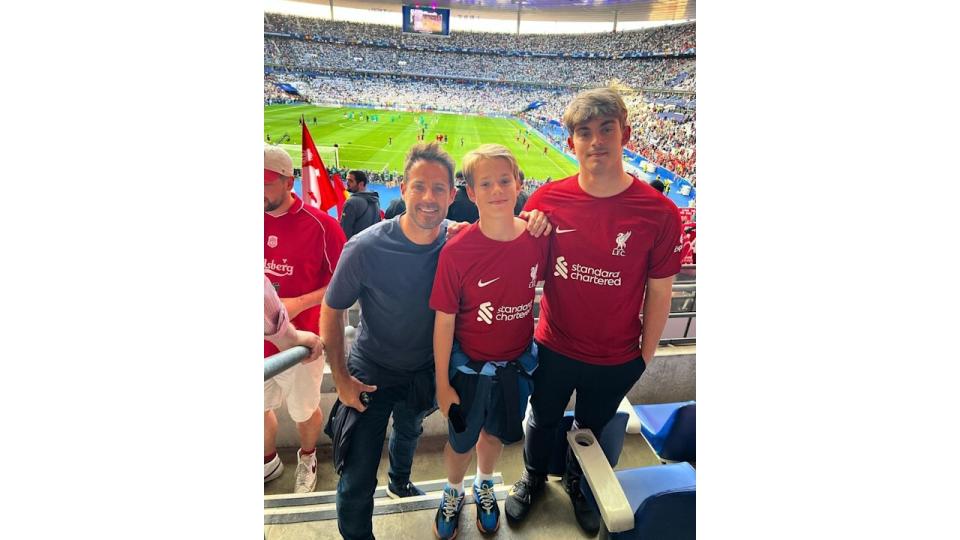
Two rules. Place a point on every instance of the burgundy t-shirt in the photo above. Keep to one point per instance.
(602, 251)
(490, 286)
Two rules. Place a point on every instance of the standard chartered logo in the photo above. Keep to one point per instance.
(504, 313)
(485, 313)
(587, 274)
(560, 268)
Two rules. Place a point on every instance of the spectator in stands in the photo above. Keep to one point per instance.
(462, 209)
(521, 195)
(362, 209)
(473, 371)
(592, 348)
(396, 207)
(302, 249)
(390, 272)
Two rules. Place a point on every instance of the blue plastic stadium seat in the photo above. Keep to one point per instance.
(670, 429)
(611, 441)
(664, 502)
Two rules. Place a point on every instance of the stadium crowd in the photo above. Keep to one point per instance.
(392, 179)
(420, 93)
(677, 73)
(664, 136)
(352, 71)
(273, 94)
(663, 39)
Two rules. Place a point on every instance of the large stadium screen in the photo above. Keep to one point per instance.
(424, 20)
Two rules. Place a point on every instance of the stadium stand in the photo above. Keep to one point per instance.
(372, 65)
(421, 93)
(637, 73)
(274, 93)
(672, 39)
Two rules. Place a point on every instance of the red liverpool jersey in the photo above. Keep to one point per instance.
(490, 285)
(602, 251)
(301, 249)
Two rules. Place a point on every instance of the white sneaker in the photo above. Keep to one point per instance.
(273, 469)
(306, 473)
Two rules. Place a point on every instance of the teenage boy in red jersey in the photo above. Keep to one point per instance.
(301, 248)
(615, 239)
(483, 294)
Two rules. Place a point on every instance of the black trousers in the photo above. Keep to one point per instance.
(599, 392)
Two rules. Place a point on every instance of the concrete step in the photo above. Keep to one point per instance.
(319, 506)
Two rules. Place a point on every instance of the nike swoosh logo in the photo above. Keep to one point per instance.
(561, 231)
(482, 284)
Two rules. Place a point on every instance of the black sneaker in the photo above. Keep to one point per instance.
(587, 515)
(522, 494)
(406, 490)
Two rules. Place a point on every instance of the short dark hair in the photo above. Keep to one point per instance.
(658, 185)
(359, 176)
(433, 153)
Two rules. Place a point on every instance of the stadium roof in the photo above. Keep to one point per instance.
(553, 10)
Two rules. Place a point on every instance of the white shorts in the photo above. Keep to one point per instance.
(299, 386)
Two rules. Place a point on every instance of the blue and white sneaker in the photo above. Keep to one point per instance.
(488, 513)
(447, 524)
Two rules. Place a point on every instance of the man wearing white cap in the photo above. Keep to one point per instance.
(302, 246)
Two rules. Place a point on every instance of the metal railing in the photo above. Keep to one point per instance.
(284, 360)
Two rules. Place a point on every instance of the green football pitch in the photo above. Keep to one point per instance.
(366, 144)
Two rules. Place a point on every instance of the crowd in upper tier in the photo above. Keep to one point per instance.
(674, 73)
(659, 40)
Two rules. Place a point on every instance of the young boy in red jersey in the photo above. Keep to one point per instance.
(483, 294)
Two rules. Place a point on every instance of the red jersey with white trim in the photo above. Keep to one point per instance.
(602, 250)
(490, 285)
(300, 251)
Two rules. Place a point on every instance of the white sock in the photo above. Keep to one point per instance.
(455, 488)
(481, 477)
